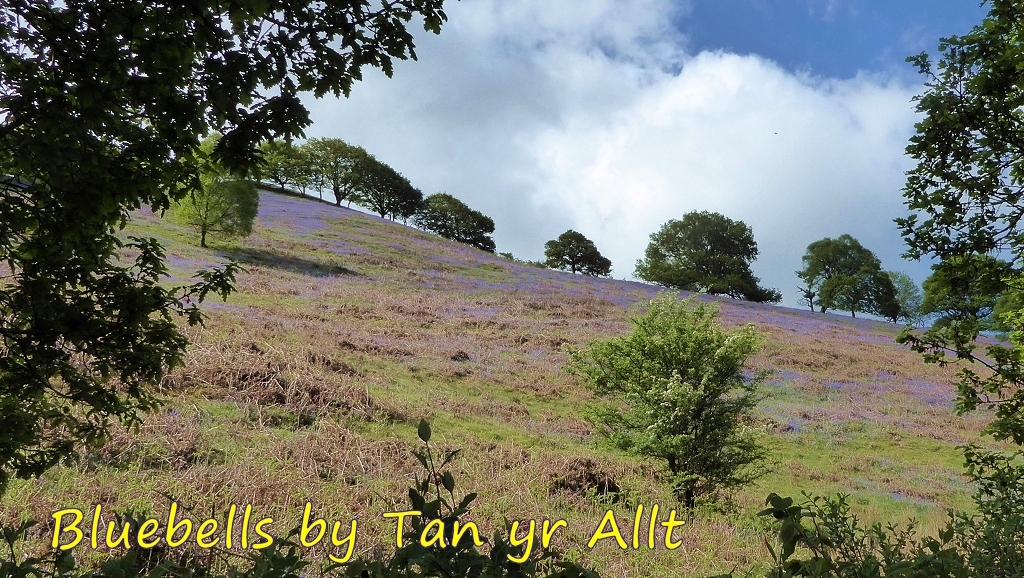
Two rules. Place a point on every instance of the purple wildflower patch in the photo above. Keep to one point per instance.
(931, 393)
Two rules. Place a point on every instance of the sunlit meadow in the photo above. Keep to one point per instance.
(346, 330)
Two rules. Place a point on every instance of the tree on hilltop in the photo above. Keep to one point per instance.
(283, 164)
(845, 275)
(708, 253)
(573, 252)
(868, 290)
(386, 192)
(342, 167)
(452, 219)
(908, 297)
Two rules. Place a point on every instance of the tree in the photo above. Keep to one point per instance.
(340, 165)
(964, 197)
(102, 109)
(386, 192)
(868, 290)
(908, 297)
(705, 252)
(841, 272)
(222, 205)
(308, 173)
(965, 289)
(884, 298)
(449, 217)
(807, 295)
(283, 164)
(573, 252)
(680, 394)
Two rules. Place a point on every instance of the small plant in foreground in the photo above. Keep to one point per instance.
(434, 496)
(988, 543)
(680, 393)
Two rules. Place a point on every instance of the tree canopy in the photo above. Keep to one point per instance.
(964, 193)
(102, 109)
(842, 274)
(705, 252)
(572, 251)
(452, 219)
(340, 165)
(965, 288)
(908, 297)
(223, 204)
(386, 192)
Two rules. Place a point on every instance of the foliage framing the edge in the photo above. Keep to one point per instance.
(965, 197)
(102, 109)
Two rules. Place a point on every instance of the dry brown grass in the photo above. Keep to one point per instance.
(308, 384)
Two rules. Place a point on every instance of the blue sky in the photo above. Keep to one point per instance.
(610, 117)
(832, 38)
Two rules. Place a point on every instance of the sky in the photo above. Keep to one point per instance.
(611, 117)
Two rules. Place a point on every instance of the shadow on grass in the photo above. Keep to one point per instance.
(283, 262)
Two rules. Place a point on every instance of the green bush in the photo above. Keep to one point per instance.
(678, 393)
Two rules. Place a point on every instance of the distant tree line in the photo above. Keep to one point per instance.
(703, 252)
(352, 175)
(347, 172)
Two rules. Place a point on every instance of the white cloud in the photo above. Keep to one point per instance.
(589, 115)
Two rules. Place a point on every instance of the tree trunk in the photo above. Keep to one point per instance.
(202, 238)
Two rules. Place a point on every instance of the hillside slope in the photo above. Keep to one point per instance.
(307, 385)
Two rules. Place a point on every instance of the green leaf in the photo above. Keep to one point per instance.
(424, 431)
(466, 500)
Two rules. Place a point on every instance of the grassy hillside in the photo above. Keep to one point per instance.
(307, 385)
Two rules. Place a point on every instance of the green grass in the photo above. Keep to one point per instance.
(309, 383)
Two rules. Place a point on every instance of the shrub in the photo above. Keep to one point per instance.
(679, 393)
